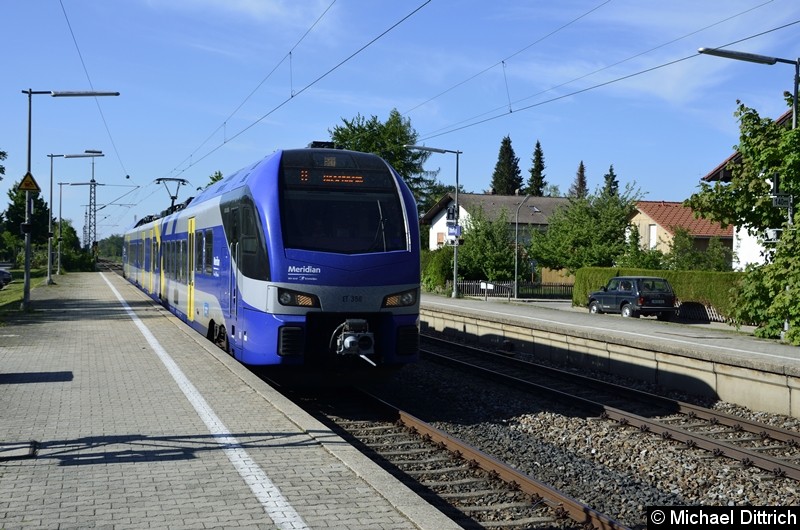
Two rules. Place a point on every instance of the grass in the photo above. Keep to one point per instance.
(11, 296)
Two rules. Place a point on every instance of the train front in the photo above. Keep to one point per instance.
(343, 247)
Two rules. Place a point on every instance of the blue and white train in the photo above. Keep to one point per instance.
(308, 257)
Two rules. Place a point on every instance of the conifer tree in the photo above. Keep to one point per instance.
(507, 178)
(611, 184)
(579, 189)
(536, 182)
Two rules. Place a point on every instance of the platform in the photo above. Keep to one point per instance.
(115, 414)
(703, 359)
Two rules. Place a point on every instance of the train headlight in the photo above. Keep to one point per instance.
(404, 299)
(295, 298)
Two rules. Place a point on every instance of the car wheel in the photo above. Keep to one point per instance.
(594, 307)
(628, 312)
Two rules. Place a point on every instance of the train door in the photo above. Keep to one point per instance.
(233, 288)
(154, 268)
(190, 272)
(149, 258)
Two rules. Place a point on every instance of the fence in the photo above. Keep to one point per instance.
(505, 289)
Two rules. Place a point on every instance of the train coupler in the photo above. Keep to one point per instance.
(354, 338)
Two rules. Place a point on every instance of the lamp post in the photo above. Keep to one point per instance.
(761, 59)
(92, 228)
(456, 226)
(26, 290)
(50, 225)
(516, 245)
(768, 60)
(60, 235)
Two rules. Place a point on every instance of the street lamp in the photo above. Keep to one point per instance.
(516, 245)
(92, 228)
(761, 59)
(50, 225)
(456, 227)
(766, 59)
(60, 235)
(26, 290)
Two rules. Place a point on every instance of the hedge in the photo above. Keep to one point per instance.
(711, 289)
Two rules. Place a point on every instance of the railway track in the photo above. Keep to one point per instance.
(772, 449)
(474, 489)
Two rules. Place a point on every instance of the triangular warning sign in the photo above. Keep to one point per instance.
(28, 183)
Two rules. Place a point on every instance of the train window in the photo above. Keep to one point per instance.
(183, 260)
(340, 202)
(172, 261)
(343, 222)
(198, 251)
(209, 252)
(168, 259)
(253, 250)
(245, 236)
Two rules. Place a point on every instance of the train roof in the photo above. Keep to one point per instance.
(307, 156)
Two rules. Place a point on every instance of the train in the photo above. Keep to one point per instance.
(309, 257)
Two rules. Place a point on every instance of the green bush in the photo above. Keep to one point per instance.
(436, 267)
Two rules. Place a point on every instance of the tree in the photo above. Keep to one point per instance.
(111, 247)
(213, 179)
(488, 252)
(768, 152)
(536, 182)
(589, 232)
(73, 257)
(683, 255)
(388, 140)
(552, 190)
(579, 189)
(610, 183)
(507, 178)
(769, 156)
(15, 214)
(636, 257)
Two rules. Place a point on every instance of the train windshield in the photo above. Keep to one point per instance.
(341, 202)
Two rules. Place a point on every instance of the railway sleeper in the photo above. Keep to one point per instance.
(468, 494)
(521, 523)
(495, 507)
(437, 471)
(459, 482)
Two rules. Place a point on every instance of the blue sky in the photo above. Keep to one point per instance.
(215, 85)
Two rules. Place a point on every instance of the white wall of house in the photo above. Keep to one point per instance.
(748, 249)
(438, 232)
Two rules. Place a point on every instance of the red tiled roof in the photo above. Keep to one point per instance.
(671, 215)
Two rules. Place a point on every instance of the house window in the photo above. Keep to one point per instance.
(652, 238)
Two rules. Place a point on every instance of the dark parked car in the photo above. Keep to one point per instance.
(635, 296)
(5, 278)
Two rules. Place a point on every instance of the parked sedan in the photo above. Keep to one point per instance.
(5, 278)
(634, 296)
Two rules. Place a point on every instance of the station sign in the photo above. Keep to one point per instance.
(781, 200)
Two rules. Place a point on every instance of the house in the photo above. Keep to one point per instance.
(748, 248)
(657, 222)
(522, 214)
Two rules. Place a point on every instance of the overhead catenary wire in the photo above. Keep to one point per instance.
(474, 121)
(91, 85)
(191, 158)
(311, 84)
